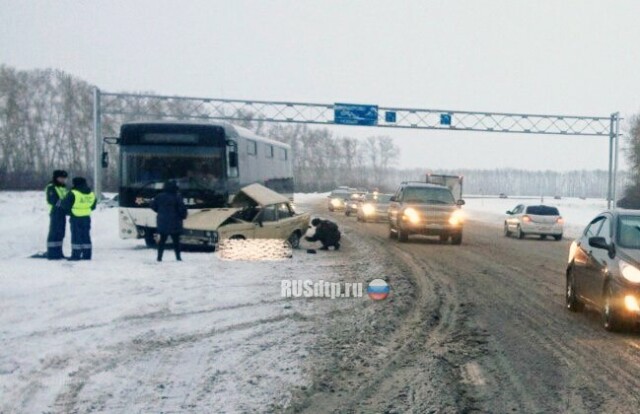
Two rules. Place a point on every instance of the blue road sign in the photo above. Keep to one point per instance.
(445, 119)
(390, 116)
(351, 114)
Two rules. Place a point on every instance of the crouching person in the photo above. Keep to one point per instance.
(327, 233)
(79, 204)
(171, 212)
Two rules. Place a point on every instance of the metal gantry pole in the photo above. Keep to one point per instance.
(97, 136)
(610, 175)
(615, 162)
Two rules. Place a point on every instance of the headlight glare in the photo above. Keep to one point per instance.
(368, 209)
(629, 272)
(456, 218)
(412, 215)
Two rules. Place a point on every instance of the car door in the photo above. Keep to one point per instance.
(582, 258)
(286, 220)
(597, 262)
(266, 222)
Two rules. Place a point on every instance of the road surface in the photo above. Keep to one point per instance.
(479, 327)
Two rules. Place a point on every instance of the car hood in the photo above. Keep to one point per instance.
(208, 219)
(258, 194)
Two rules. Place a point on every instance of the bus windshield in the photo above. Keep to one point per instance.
(193, 168)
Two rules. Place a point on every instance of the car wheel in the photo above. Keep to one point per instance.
(150, 238)
(331, 209)
(611, 319)
(506, 231)
(558, 237)
(403, 236)
(444, 238)
(543, 237)
(519, 233)
(392, 234)
(456, 239)
(237, 237)
(347, 213)
(294, 240)
(573, 303)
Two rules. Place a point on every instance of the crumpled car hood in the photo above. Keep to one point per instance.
(208, 219)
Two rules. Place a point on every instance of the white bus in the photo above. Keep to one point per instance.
(209, 161)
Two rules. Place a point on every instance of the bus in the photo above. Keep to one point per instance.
(210, 162)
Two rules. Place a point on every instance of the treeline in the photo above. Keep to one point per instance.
(46, 122)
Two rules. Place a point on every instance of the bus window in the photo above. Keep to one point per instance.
(282, 154)
(252, 147)
(269, 153)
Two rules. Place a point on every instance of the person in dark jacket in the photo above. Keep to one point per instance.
(327, 233)
(171, 212)
(55, 192)
(79, 204)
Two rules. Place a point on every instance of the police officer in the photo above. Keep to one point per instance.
(55, 192)
(78, 204)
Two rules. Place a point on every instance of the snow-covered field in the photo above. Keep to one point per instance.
(123, 333)
(576, 212)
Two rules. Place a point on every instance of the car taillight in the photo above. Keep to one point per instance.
(560, 220)
(526, 219)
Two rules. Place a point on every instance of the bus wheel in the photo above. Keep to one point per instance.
(150, 238)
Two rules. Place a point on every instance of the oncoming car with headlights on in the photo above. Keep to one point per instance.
(374, 207)
(603, 269)
(426, 209)
(338, 199)
(354, 201)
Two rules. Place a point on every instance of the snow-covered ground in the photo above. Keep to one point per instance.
(123, 333)
(576, 212)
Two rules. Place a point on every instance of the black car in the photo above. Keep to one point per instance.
(604, 269)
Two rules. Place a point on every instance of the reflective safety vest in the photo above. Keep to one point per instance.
(82, 203)
(60, 190)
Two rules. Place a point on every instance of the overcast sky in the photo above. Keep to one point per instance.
(566, 57)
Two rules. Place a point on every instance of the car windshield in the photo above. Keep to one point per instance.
(340, 194)
(542, 211)
(379, 198)
(192, 168)
(629, 232)
(428, 195)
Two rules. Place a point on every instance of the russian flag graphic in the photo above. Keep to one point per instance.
(378, 289)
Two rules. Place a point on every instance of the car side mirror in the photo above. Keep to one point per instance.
(509, 212)
(598, 243)
(601, 243)
(460, 202)
(393, 198)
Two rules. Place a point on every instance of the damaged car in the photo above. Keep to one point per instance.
(255, 213)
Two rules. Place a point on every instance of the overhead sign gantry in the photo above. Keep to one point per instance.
(149, 107)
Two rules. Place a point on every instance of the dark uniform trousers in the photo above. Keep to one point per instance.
(80, 238)
(57, 224)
